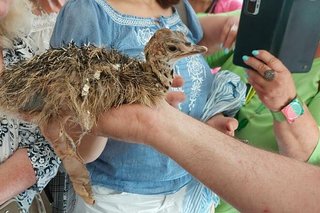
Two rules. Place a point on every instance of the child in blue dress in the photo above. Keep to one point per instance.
(132, 177)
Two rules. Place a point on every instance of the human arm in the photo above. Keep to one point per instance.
(313, 107)
(215, 31)
(91, 146)
(11, 181)
(32, 158)
(17, 180)
(224, 164)
(219, 31)
(297, 139)
(227, 96)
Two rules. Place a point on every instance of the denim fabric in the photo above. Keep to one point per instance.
(130, 167)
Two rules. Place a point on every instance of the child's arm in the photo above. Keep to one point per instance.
(34, 163)
(227, 95)
(91, 147)
(15, 181)
(88, 148)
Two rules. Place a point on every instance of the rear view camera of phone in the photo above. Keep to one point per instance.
(253, 6)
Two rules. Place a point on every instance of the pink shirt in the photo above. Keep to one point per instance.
(227, 6)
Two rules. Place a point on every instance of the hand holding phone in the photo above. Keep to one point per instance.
(289, 29)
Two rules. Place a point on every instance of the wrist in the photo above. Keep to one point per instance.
(290, 112)
(286, 102)
(155, 123)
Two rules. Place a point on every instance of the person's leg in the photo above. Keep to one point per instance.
(193, 198)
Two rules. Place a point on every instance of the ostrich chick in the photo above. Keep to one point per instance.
(83, 82)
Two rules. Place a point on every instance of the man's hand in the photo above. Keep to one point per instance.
(130, 122)
(127, 122)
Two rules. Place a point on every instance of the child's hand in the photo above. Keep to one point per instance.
(226, 125)
(176, 97)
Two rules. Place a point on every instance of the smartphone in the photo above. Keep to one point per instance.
(289, 29)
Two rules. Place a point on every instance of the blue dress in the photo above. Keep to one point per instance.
(122, 166)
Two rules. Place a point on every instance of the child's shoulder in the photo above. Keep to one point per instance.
(83, 7)
(80, 13)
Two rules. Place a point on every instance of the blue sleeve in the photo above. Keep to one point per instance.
(78, 21)
(227, 95)
(193, 22)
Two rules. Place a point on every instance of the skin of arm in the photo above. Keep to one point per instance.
(221, 162)
(218, 31)
(91, 146)
(11, 181)
(297, 139)
(15, 181)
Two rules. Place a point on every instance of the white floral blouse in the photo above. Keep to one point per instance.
(16, 134)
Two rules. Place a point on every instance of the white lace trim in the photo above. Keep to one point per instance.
(43, 22)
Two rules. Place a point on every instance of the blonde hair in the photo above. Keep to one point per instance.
(17, 23)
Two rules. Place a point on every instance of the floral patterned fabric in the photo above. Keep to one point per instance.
(16, 134)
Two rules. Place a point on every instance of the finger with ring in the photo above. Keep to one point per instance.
(269, 75)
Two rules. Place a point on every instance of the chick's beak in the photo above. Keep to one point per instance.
(198, 49)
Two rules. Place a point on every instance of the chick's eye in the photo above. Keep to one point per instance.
(172, 48)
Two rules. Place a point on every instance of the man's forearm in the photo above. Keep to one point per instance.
(250, 179)
(16, 175)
